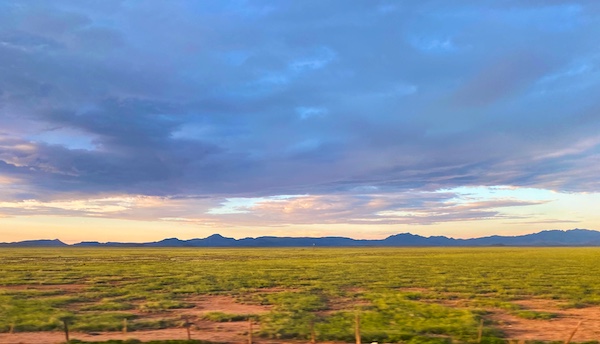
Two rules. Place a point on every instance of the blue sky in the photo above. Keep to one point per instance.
(139, 120)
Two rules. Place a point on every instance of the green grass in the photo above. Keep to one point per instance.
(401, 293)
(226, 317)
(526, 314)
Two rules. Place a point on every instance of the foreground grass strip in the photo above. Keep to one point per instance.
(135, 341)
(403, 294)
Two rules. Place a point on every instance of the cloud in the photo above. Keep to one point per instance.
(423, 208)
(500, 79)
(323, 99)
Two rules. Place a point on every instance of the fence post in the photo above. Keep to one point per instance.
(573, 333)
(250, 331)
(187, 326)
(11, 329)
(357, 328)
(480, 331)
(65, 322)
(124, 325)
(312, 332)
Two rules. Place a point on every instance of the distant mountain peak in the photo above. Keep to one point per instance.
(36, 243)
(552, 237)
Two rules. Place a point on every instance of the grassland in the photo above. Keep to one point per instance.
(416, 295)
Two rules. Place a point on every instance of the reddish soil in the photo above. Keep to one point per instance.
(225, 332)
(231, 336)
(229, 333)
(558, 329)
(224, 304)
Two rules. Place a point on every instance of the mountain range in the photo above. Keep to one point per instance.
(572, 237)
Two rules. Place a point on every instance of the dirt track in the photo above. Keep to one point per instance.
(233, 333)
(225, 332)
(59, 337)
(557, 329)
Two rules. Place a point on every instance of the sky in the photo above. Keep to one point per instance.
(143, 120)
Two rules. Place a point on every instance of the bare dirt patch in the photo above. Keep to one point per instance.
(202, 305)
(225, 332)
(234, 333)
(224, 304)
(558, 329)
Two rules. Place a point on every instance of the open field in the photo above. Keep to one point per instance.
(414, 295)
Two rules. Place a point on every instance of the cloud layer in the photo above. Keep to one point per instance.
(340, 102)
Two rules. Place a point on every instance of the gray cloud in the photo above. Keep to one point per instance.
(186, 98)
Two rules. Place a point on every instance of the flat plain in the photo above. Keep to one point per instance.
(408, 295)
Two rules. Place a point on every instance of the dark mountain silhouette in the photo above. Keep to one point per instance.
(215, 240)
(34, 243)
(407, 239)
(573, 237)
(109, 244)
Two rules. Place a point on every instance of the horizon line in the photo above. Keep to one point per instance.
(295, 237)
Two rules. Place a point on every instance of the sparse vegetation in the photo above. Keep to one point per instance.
(226, 317)
(135, 341)
(416, 295)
